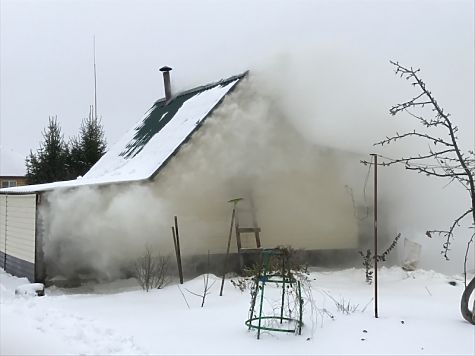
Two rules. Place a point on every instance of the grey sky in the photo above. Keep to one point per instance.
(46, 53)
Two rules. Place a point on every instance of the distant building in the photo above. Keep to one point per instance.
(12, 181)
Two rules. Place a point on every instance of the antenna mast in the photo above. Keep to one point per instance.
(95, 79)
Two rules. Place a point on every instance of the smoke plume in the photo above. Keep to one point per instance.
(289, 141)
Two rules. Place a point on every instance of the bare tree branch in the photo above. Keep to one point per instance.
(398, 136)
(448, 234)
(432, 171)
(465, 260)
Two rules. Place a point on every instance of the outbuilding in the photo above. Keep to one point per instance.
(190, 153)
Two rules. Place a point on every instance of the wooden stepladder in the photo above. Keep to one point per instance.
(239, 230)
(244, 230)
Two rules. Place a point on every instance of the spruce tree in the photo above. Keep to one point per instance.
(55, 160)
(93, 143)
(88, 147)
(48, 164)
(75, 160)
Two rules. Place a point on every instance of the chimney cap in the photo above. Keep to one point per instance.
(165, 69)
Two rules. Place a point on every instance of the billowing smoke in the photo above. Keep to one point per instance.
(98, 229)
(288, 140)
(341, 99)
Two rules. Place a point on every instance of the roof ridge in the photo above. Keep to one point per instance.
(204, 87)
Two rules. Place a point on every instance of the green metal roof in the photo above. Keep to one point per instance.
(162, 112)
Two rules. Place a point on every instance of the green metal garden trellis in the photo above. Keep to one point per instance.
(283, 277)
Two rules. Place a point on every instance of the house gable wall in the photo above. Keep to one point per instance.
(295, 188)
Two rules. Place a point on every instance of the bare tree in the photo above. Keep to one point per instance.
(151, 271)
(206, 286)
(444, 159)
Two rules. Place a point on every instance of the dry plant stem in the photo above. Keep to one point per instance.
(188, 305)
(368, 258)
(206, 287)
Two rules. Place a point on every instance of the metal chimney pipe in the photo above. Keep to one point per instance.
(166, 82)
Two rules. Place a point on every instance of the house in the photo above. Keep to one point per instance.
(12, 181)
(188, 156)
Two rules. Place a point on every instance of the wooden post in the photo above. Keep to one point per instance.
(176, 250)
(300, 307)
(178, 253)
(375, 235)
(227, 250)
(174, 242)
(283, 289)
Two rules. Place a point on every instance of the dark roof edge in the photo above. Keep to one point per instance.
(197, 127)
(204, 87)
(20, 193)
(71, 187)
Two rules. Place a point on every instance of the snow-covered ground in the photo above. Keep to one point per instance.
(418, 314)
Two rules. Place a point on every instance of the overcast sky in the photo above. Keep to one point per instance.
(46, 53)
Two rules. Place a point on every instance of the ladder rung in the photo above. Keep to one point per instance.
(249, 229)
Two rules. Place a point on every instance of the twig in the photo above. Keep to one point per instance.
(206, 287)
(366, 306)
(188, 305)
(448, 233)
(465, 262)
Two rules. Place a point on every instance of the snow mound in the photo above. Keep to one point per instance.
(31, 289)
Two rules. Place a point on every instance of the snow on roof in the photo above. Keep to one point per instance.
(155, 138)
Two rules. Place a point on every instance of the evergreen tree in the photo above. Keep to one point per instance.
(33, 168)
(75, 160)
(48, 164)
(55, 160)
(93, 143)
(88, 147)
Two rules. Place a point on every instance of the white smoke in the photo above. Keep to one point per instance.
(269, 142)
(98, 228)
(342, 100)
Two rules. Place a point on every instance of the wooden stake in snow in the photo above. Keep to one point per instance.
(375, 235)
(176, 242)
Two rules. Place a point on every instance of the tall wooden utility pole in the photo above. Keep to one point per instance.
(375, 207)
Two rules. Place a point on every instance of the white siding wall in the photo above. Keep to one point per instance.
(3, 217)
(20, 227)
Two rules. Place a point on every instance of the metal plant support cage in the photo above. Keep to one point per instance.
(281, 323)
